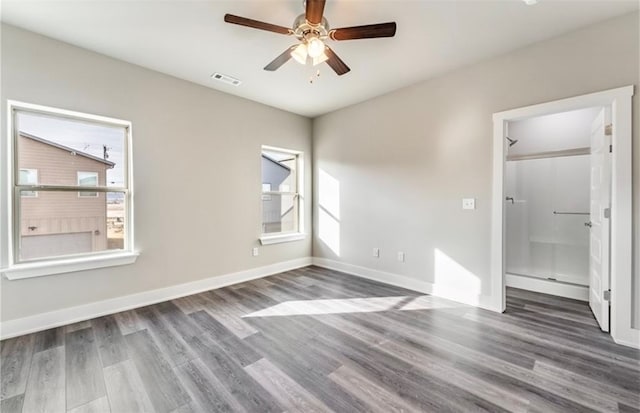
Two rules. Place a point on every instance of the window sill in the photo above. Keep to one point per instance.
(39, 269)
(279, 238)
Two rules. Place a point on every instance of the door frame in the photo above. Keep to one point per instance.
(620, 100)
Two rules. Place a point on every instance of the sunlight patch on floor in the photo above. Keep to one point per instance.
(353, 305)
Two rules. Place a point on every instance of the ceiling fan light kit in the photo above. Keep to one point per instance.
(312, 31)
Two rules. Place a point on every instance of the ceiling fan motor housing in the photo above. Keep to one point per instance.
(304, 30)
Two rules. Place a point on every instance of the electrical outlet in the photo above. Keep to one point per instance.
(376, 252)
(468, 203)
(401, 256)
(255, 251)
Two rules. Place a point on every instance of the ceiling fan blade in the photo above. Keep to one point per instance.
(364, 32)
(280, 60)
(314, 11)
(335, 62)
(256, 24)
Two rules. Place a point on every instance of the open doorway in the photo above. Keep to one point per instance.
(618, 295)
(557, 203)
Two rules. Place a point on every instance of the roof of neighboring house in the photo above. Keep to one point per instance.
(68, 149)
(276, 162)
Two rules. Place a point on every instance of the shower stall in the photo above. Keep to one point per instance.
(547, 217)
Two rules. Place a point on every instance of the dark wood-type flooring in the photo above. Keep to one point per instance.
(314, 340)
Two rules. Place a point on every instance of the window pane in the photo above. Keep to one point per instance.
(28, 177)
(59, 147)
(280, 214)
(279, 171)
(87, 179)
(58, 223)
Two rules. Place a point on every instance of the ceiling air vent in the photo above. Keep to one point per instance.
(226, 79)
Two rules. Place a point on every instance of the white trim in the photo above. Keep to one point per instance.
(577, 292)
(403, 281)
(621, 204)
(280, 237)
(51, 267)
(38, 322)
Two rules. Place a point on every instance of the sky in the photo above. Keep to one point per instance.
(81, 136)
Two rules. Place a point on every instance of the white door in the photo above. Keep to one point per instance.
(599, 220)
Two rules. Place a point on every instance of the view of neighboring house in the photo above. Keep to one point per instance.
(61, 222)
(277, 210)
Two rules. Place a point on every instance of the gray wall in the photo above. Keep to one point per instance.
(186, 229)
(405, 160)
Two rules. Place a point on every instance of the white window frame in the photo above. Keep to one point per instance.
(87, 194)
(34, 194)
(10, 265)
(298, 193)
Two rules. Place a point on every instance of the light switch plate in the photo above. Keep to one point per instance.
(468, 203)
(401, 256)
(376, 252)
(255, 251)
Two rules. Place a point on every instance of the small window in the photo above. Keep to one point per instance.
(87, 179)
(77, 167)
(281, 200)
(29, 177)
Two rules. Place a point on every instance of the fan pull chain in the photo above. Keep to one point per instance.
(312, 76)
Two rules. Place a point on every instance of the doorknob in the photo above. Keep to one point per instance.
(588, 224)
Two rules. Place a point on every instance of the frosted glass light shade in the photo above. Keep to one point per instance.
(300, 54)
(315, 47)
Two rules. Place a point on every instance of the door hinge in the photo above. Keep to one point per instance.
(606, 296)
(610, 148)
(608, 129)
(607, 212)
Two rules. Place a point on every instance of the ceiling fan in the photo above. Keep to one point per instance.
(312, 31)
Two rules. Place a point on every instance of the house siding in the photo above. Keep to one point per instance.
(61, 212)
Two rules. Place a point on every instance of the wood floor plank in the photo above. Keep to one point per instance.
(377, 398)
(129, 322)
(286, 391)
(125, 388)
(46, 386)
(238, 383)
(168, 339)
(15, 358)
(80, 325)
(44, 340)
(12, 404)
(310, 370)
(85, 382)
(111, 345)
(100, 405)
(189, 408)
(160, 382)
(180, 321)
(206, 389)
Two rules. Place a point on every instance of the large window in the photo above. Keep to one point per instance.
(281, 197)
(54, 153)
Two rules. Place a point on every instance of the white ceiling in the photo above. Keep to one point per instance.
(189, 40)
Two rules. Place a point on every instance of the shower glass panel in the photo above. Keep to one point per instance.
(546, 232)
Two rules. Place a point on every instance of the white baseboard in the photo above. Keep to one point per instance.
(630, 338)
(577, 292)
(44, 321)
(482, 301)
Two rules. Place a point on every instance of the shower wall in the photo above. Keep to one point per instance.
(546, 234)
